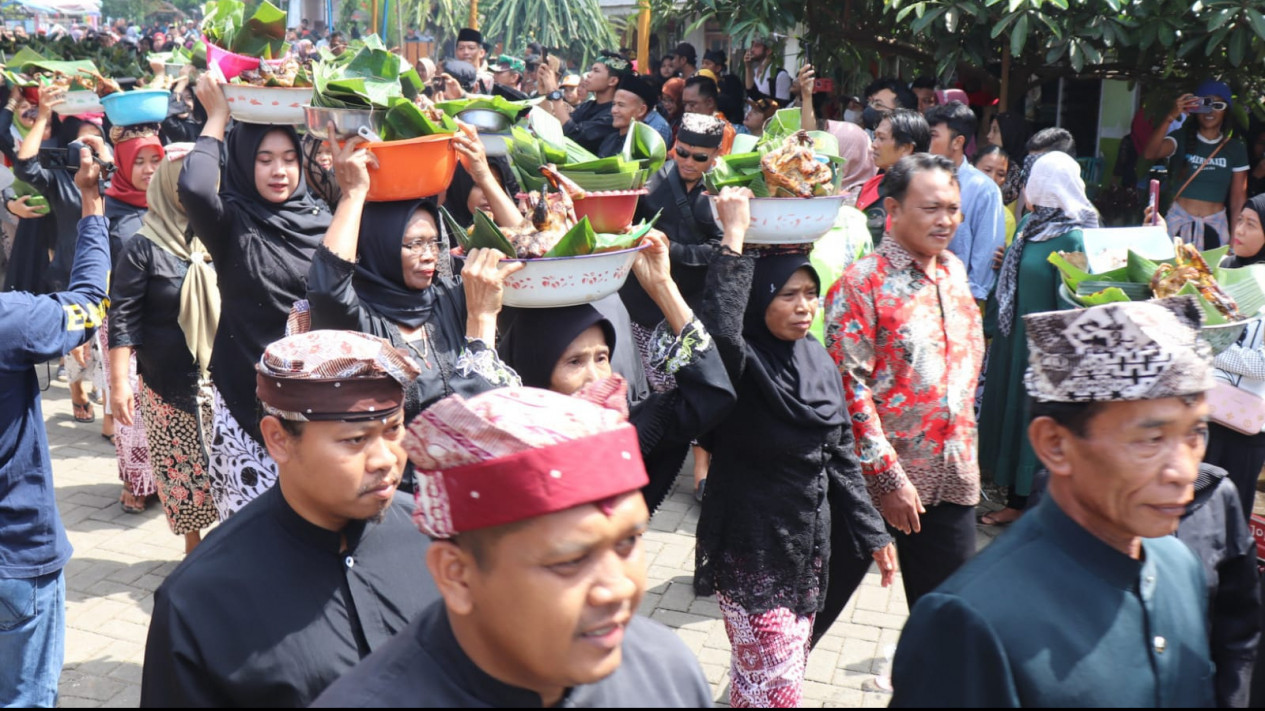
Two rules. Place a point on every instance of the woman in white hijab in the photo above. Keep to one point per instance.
(1060, 210)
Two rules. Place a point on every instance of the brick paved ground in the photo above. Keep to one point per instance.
(121, 558)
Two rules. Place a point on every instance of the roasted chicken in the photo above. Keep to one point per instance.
(793, 169)
(1192, 269)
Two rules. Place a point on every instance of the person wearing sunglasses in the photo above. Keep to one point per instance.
(1209, 180)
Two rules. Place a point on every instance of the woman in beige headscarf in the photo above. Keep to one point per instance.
(164, 307)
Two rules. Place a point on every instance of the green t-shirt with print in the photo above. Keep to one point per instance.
(1213, 182)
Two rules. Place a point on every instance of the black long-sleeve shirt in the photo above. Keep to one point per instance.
(261, 275)
(144, 315)
(693, 236)
(270, 609)
(425, 666)
(765, 530)
(590, 124)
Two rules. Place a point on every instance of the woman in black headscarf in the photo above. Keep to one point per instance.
(785, 510)
(36, 234)
(58, 186)
(566, 349)
(385, 269)
(468, 193)
(1243, 366)
(261, 227)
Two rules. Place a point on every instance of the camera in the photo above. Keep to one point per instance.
(66, 159)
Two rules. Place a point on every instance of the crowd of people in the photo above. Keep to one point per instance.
(312, 375)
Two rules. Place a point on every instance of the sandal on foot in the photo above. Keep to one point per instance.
(132, 509)
(992, 518)
(83, 413)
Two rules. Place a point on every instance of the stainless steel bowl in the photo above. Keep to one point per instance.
(486, 121)
(173, 69)
(346, 121)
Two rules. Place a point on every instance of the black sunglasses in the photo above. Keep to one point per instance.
(698, 157)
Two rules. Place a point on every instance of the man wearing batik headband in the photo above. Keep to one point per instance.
(532, 500)
(1087, 600)
(321, 569)
(589, 123)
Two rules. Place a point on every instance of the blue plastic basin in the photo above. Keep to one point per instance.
(128, 108)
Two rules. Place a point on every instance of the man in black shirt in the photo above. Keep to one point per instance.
(687, 219)
(321, 569)
(589, 123)
(533, 500)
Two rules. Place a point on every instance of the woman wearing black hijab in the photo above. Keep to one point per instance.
(261, 227)
(385, 269)
(785, 506)
(1243, 366)
(565, 349)
(56, 185)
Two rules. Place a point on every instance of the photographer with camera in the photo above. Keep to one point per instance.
(33, 544)
(1212, 166)
(44, 169)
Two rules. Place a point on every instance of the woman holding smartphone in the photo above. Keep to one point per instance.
(1210, 179)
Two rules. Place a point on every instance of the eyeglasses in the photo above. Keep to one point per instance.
(419, 247)
(698, 157)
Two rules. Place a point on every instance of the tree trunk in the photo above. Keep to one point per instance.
(643, 37)
(474, 15)
(1003, 98)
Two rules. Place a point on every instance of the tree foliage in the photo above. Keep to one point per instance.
(576, 26)
(1158, 40)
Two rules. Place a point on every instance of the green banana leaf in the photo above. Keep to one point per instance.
(525, 150)
(579, 240)
(370, 78)
(602, 166)
(601, 182)
(547, 127)
(486, 235)
(499, 104)
(577, 153)
(455, 229)
(644, 143)
(263, 35)
(1106, 296)
(784, 123)
(406, 120)
(607, 242)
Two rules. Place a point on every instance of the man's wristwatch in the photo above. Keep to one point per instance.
(554, 95)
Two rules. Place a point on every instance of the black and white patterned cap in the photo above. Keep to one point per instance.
(1138, 350)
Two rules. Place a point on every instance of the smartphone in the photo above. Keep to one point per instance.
(1204, 107)
(825, 84)
(38, 203)
(1154, 202)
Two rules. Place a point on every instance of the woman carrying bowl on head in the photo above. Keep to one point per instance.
(1242, 365)
(566, 349)
(261, 226)
(384, 269)
(1210, 183)
(769, 540)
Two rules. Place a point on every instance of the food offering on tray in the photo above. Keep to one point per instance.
(1230, 297)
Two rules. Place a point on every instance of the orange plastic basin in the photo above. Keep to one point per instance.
(411, 169)
(609, 212)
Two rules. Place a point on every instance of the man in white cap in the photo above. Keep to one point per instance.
(532, 499)
(1087, 600)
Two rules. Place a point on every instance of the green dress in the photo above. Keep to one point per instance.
(1004, 451)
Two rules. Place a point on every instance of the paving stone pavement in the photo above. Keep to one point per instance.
(121, 558)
